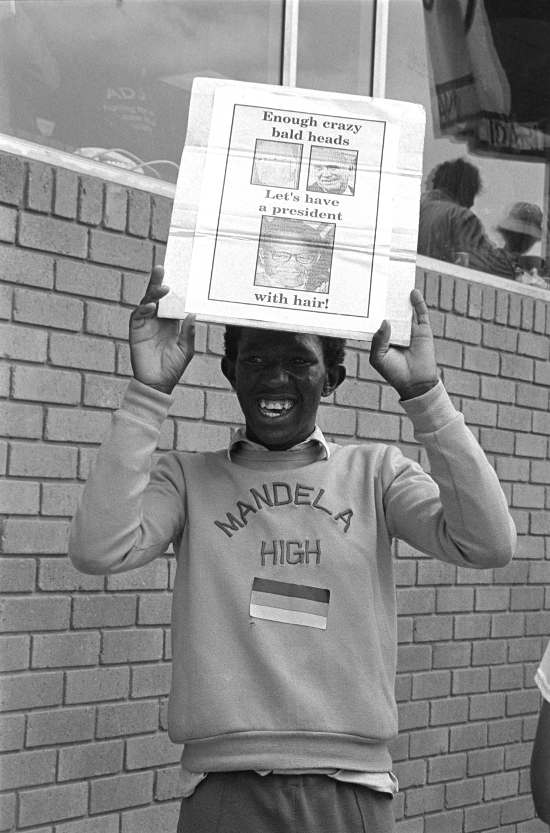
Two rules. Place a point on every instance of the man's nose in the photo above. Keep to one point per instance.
(276, 375)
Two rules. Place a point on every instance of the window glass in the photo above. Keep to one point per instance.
(335, 40)
(505, 45)
(111, 79)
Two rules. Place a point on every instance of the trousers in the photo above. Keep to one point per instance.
(245, 802)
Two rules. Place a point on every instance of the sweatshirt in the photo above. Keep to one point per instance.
(284, 614)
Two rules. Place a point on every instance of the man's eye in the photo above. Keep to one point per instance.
(252, 360)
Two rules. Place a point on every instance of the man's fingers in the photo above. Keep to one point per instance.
(154, 290)
(420, 307)
(186, 337)
(380, 342)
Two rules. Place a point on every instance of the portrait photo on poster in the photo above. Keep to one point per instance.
(293, 254)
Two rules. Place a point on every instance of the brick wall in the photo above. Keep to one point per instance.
(86, 659)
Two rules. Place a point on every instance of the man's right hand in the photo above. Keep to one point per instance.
(160, 349)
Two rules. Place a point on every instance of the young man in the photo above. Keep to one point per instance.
(284, 621)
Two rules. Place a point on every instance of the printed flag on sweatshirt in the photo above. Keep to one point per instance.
(294, 604)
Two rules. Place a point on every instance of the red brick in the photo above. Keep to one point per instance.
(503, 732)
(169, 783)
(20, 420)
(451, 655)
(542, 372)
(6, 299)
(116, 201)
(25, 343)
(24, 267)
(118, 250)
(154, 608)
(517, 809)
(90, 759)
(470, 736)
(139, 213)
(34, 613)
(488, 652)
(504, 678)
(123, 363)
(107, 320)
(104, 610)
(507, 624)
(161, 214)
(17, 575)
(152, 819)
(201, 436)
(515, 419)
(537, 623)
(500, 785)
(487, 706)
(90, 197)
(468, 680)
(529, 445)
(65, 649)
(12, 178)
(510, 468)
(66, 193)
(48, 309)
(52, 803)
(49, 234)
(532, 497)
(449, 822)
(415, 601)
(123, 719)
(121, 791)
(532, 396)
(377, 426)
(35, 536)
(12, 733)
(460, 382)
(492, 598)
(447, 768)
(462, 793)
(8, 220)
(42, 384)
(19, 497)
(57, 574)
(39, 187)
(151, 680)
(82, 351)
(26, 691)
(335, 420)
(143, 644)
(462, 330)
(40, 460)
(59, 726)
(25, 769)
(94, 824)
(433, 628)
(97, 684)
(497, 440)
(151, 750)
(87, 279)
(482, 818)
(85, 426)
(190, 402)
(411, 773)
(60, 498)
(14, 653)
(530, 344)
(429, 742)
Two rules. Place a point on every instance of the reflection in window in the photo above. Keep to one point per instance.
(111, 79)
(485, 130)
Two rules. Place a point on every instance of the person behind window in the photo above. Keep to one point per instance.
(521, 228)
(449, 230)
(540, 759)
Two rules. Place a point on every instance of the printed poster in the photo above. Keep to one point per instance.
(306, 212)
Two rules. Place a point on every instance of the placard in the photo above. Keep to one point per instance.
(296, 210)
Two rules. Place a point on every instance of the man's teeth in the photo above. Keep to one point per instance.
(275, 407)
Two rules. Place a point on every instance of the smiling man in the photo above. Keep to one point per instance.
(284, 622)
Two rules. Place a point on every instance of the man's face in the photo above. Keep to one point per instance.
(288, 264)
(279, 379)
(333, 178)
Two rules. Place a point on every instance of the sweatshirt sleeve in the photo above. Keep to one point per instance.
(459, 513)
(130, 510)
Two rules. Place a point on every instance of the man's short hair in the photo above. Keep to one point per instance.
(334, 349)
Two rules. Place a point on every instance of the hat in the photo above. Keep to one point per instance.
(525, 218)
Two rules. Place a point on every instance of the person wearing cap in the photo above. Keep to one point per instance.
(521, 228)
(448, 228)
(540, 758)
(332, 173)
(292, 255)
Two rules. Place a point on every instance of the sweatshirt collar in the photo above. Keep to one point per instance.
(316, 437)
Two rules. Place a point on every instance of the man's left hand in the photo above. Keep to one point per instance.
(410, 370)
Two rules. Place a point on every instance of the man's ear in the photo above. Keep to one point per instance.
(335, 376)
(228, 370)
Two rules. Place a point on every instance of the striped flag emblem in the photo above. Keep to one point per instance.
(294, 604)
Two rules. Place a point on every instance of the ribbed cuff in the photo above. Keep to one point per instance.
(430, 411)
(146, 404)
